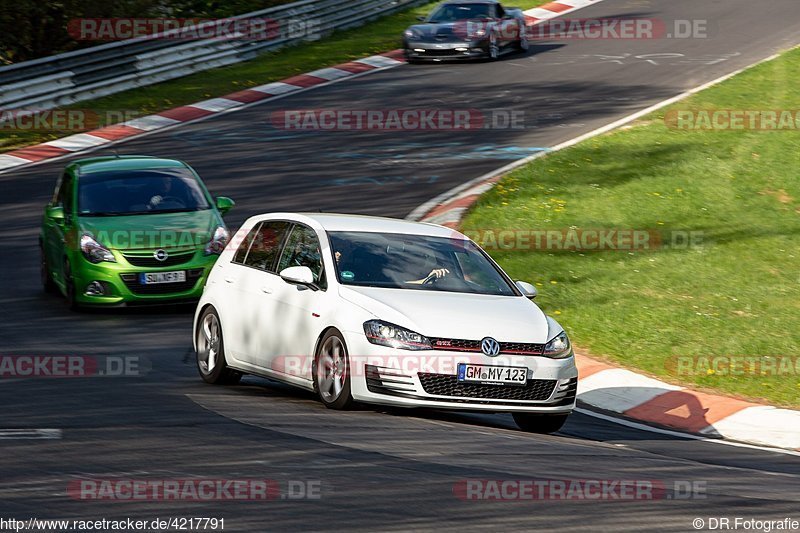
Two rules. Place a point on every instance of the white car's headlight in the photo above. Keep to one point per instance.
(218, 242)
(558, 347)
(386, 334)
(94, 252)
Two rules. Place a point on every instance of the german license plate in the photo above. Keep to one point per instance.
(153, 278)
(492, 375)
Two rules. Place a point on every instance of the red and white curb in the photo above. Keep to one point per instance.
(83, 142)
(91, 140)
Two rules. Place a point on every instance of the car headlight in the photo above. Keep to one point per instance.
(386, 334)
(558, 347)
(479, 32)
(218, 242)
(410, 33)
(94, 252)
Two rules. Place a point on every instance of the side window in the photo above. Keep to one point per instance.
(64, 194)
(302, 249)
(244, 246)
(266, 245)
(500, 12)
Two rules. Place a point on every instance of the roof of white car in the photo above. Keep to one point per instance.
(341, 222)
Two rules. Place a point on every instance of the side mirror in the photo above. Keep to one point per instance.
(527, 290)
(299, 275)
(55, 213)
(224, 204)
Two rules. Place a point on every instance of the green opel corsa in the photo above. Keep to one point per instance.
(130, 230)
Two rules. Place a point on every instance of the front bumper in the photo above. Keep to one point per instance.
(121, 280)
(428, 378)
(421, 50)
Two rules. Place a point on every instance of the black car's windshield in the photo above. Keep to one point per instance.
(457, 12)
(138, 192)
(417, 262)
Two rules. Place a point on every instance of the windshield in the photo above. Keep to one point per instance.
(456, 12)
(416, 262)
(139, 192)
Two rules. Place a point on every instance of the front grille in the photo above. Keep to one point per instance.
(536, 390)
(147, 260)
(461, 345)
(442, 52)
(132, 282)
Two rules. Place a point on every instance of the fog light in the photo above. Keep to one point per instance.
(462, 49)
(419, 49)
(95, 288)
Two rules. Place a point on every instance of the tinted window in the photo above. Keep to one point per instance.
(266, 245)
(456, 12)
(302, 249)
(64, 194)
(138, 192)
(244, 246)
(416, 262)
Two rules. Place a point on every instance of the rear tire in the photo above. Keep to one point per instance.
(211, 362)
(539, 423)
(331, 372)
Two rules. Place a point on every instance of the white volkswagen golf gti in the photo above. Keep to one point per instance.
(382, 311)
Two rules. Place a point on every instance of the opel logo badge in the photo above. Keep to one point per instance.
(490, 347)
(160, 255)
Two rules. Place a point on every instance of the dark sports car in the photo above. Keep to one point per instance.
(466, 30)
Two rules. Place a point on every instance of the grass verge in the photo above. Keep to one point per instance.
(374, 37)
(735, 293)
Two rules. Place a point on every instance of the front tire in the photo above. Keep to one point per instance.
(69, 287)
(331, 372)
(48, 284)
(211, 362)
(539, 423)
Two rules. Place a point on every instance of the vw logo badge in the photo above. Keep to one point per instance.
(160, 255)
(490, 347)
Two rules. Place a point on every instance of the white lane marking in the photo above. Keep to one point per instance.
(150, 123)
(275, 88)
(18, 434)
(75, 143)
(216, 104)
(644, 427)
(10, 161)
(330, 73)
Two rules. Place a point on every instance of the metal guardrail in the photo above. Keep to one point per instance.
(110, 68)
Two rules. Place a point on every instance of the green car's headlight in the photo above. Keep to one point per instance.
(558, 347)
(386, 334)
(218, 242)
(94, 252)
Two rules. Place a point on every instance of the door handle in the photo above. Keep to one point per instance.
(267, 290)
(228, 280)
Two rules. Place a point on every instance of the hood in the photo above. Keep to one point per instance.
(445, 32)
(454, 315)
(168, 230)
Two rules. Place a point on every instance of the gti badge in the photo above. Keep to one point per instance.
(160, 255)
(490, 347)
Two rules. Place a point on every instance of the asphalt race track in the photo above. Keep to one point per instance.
(378, 469)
